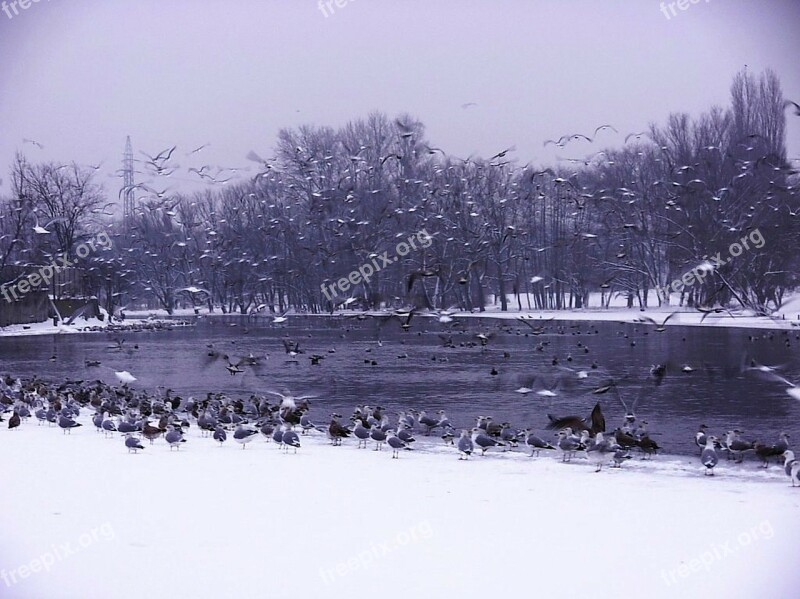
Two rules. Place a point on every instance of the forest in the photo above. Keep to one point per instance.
(624, 221)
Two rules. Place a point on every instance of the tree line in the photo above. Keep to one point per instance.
(625, 220)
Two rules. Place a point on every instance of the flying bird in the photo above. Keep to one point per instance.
(405, 131)
(233, 369)
(636, 135)
(161, 157)
(503, 153)
(43, 230)
(196, 150)
(34, 142)
(124, 376)
(602, 128)
(660, 328)
(795, 105)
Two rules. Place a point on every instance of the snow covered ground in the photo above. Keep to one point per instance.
(47, 328)
(79, 326)
(788, 317)
(210, 521)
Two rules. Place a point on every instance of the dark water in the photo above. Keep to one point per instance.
(717, 393)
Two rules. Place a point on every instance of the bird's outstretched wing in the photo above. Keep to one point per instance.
(82, 311)
(573, 422)
(668, 317)
(598, 420)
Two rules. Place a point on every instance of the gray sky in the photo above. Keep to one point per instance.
(79, 75)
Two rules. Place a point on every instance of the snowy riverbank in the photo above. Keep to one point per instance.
(787, 318)
(330, 520)
(90, 325)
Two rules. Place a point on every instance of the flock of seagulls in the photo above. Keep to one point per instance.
(737, 448)
(125, 411)
(142, 418)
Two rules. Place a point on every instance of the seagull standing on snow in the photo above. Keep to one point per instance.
(306, 424)
(220, 435)
(97, 420)
(620, 455)
(536, 443)
(362, 434)
(377, 435)
(598, 452)
(396, 443)
(428, 422)
(789, 462)
(484, 441)
(244, 435)
(795, 473)
(568, 444)
(151, 433)
(67, 424)
(709, 456)
(336, 431)
(736, 446)
(782, 444)
(277, 435)
(465, 446)
(108, 426)
(133, 443)
(700, 437)
(174, 437)
(290, 439)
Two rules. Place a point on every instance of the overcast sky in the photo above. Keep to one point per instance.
(79, 75)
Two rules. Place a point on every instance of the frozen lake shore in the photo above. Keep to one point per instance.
(329, 520)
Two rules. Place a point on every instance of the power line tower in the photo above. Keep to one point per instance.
(127, 179)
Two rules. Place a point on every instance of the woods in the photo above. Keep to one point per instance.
(625, 220)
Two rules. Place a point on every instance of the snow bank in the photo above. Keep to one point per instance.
(210, 522)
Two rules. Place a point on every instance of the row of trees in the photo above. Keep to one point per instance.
(626, 220)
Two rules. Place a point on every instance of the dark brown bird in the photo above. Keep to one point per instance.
(596, 422)
(151, 433)
(648, 446)
(336, 431)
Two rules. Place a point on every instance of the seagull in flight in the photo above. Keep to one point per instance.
(162, 156)
(636, 135)
(503, 153)
(281, 318)
(660, 328)
(124, 376)
(43, 230)
(34, 142)
(192, 289)
(405, 130)
(603, 127)
(234, 369)
(197, 150)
